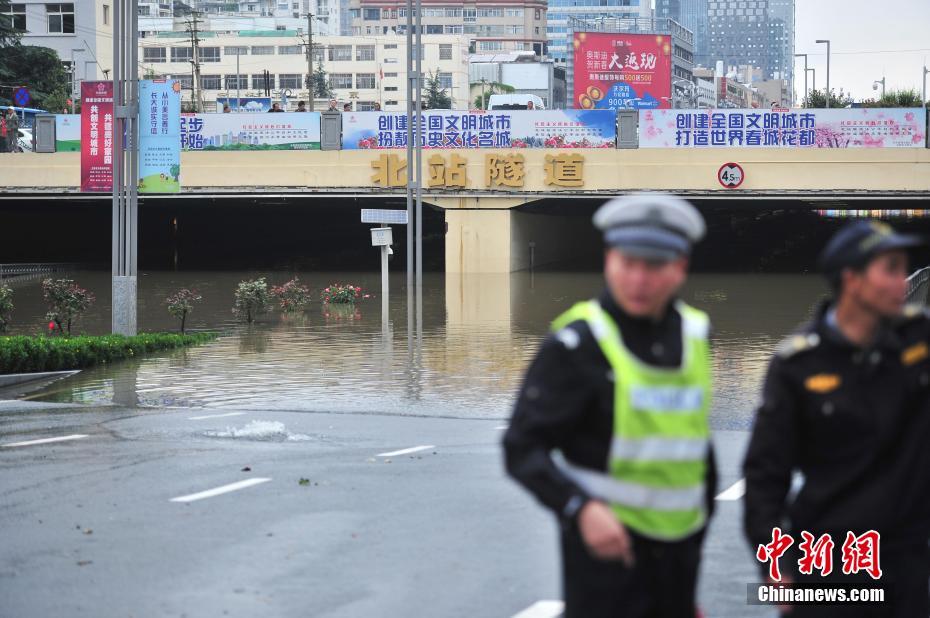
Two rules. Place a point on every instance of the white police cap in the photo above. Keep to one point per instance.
(650, 225)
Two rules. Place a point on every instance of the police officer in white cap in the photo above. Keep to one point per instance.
(610, 430)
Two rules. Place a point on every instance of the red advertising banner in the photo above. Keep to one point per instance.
(97, 137)
(622, 71)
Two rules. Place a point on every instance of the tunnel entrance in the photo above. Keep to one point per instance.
(743, 235)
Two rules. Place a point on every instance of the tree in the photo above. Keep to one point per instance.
(895, 98)
(818, 98)
(321, 88)
(37, 68)
(435, 95)
(489, 88)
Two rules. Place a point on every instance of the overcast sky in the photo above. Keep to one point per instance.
(865, 38)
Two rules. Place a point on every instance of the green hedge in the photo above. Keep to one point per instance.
(24, 354)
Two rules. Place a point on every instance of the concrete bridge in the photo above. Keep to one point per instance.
(490, 198)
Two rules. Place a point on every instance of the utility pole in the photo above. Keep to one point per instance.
(238, 91)
(196, 91)
(310, 84)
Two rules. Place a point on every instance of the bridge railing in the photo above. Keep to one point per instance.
(917, 286)
(22, 270)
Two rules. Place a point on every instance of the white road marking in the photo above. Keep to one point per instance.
(201, 418)
(405, 451)
(225, 489)
(542, 609)
(736, 491)
(76, 436)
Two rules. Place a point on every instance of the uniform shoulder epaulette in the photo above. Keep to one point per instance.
(914, 311)
(796, 344)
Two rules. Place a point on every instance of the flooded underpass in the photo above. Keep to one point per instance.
(754, 274)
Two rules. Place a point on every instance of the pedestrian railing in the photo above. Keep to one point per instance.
(917, 285)
(9, 271)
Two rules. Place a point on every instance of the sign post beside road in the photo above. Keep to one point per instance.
(383, 237)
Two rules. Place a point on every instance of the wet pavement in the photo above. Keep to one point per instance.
(223, 512)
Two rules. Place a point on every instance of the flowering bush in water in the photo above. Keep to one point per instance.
(292, 295)
(181, 303)
(252, 299)
(342, 294)
(66, 302)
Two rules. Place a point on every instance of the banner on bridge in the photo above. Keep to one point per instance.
(159, 136)
(284, 131)
(795, 128)
(568, 128)
(97, 124)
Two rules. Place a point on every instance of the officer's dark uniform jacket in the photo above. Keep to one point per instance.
(856, 423)
(566, 403)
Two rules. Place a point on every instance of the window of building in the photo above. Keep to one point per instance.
(186, 81)
(319, 54)
(365, 52)
(234, 51)
(391, 46)
(490, 45)
(209, 54)
(341, 81)
(365, 81)
(236, 81)
(538, 14)
(433, 29)
(210, 82)
(289, 80)
(17, 15)
(339, 53)
(263, 50)
(289, 50)
(390, 88)
(365, 106)
(445, 51)
(386, 103)
(154, 54)
(470, 15)
(258, 81)
(60, 18)
(355, 13)
(144, 11)
(453, 12)
(456, 29)
(371, 14)
(281, 28)
(389, 61)
(445, 80)
(182, 54)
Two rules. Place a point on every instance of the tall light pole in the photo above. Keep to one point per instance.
(310, 84)
(876, 83)
(813, 79)
(74, 76)
(828, 67)
(805, 74)
(924, 96)
(238, 92)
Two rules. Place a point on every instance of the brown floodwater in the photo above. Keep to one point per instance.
(478, 334)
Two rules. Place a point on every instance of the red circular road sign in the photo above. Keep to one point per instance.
(731, 175)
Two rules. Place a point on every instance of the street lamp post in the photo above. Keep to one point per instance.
(828, 67)
(924, 96)
(876, 83)
(805, 74)
(813, 79)
(74, 76)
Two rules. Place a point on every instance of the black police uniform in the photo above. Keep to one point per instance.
(856, 423)
(567, 403)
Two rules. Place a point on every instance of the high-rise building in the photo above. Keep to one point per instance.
(495, 26)
(568, 16)
(758, 33)
(691, 14)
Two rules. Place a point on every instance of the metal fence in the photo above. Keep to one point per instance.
(917, 285)
(18, 271)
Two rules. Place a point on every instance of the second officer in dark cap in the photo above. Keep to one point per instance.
(610, 429)
(845, 420)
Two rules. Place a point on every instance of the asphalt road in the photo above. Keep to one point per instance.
(150, 512)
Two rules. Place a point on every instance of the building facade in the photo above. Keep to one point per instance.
(692, 15)
(499, 26)
(361, 71)
(81, 32)
(569, 16)
(759, 33)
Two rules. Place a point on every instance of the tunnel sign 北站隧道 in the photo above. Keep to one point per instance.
(730, 175)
